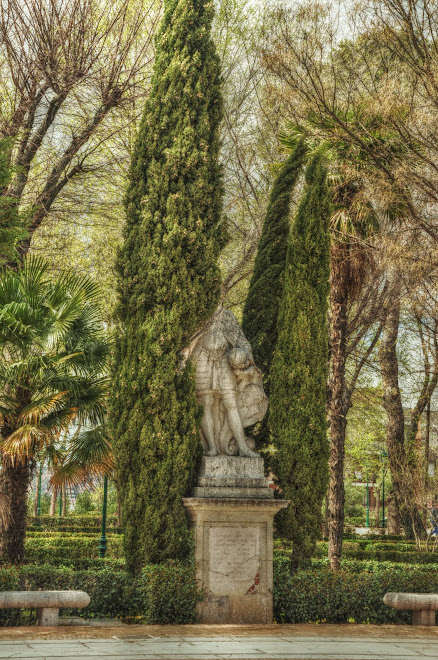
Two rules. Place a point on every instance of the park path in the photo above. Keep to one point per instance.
(311, 642)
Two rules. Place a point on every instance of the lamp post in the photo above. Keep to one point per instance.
(38, 511)
(367, 524)
(39, 491)
(103, 541)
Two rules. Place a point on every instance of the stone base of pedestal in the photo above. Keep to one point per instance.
(233, 545)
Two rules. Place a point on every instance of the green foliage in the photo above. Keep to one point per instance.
(52, 371)
(260, 313)
(340, 596)
(365, 550)
(299, 370)
(75, 546)
(169, 283)
(83, 523)
(353, 507)
(12, 228)
(159, 594)
(54, 349)
(366, 435)
(84, 503)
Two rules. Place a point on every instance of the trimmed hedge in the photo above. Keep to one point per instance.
(48, 547)
(168, 593)
(89, 523)
(161, 594)
(321, 595)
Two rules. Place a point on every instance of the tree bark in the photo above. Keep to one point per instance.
(53, 500)
(338, 406)
(64, 501)
(392, 515)
(377, 512)
(15, 481)
(401, 459)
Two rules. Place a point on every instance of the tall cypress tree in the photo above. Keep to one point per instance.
(169, 283)
(260, 313)
(299, 369)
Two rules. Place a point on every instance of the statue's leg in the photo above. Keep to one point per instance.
(207, 423)
(229, 401)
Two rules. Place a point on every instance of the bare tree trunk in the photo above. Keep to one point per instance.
(401, 460)
(337, 404)
(377, 495)
(64, 501)
(53, 500)
(15, 481)
(393, 516)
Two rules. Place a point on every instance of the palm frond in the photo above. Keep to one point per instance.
(39, 408)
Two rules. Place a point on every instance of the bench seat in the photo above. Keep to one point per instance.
(423, 606)
(47, 602)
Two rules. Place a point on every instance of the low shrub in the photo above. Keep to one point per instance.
(160, 594)
(90, 521)
(47, 547)
(395, 556)
(320, 594)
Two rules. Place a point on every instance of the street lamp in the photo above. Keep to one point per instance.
(367, 524)
(38, 512)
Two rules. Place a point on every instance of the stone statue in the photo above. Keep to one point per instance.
(229, 386)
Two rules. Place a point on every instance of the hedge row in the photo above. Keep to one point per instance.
(55, 522)
(52, 534)
(161, 594)
(168, 593)
(74, 547)
(393, 556)
(72, 530)
(320, 594)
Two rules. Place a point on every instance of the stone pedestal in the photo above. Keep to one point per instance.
(232, 514)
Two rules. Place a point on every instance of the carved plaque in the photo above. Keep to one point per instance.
(235, 556)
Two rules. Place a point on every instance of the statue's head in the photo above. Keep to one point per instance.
(237, 358)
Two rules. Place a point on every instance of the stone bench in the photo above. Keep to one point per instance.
(47, 602)
(423, 606)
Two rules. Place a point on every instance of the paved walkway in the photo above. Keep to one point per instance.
(217, 642)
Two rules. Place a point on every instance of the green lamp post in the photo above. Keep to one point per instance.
(367, 524)
(103, 541)
(38, 512)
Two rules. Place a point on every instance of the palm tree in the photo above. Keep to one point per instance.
(352, 221)
(52, 372)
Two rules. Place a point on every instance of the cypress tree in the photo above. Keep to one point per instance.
(260, 313)
(297, 418)
(169, 283)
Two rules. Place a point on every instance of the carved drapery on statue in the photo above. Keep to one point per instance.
(228, 384)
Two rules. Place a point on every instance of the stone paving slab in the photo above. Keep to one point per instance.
(204, 631)
(232, 647)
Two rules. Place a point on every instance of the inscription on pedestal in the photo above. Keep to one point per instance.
(235, 556)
